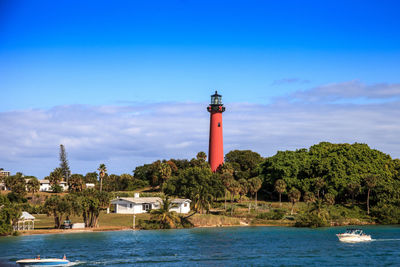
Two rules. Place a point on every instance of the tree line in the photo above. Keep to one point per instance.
(324, 174)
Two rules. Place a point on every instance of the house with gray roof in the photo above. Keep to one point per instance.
(137, 204)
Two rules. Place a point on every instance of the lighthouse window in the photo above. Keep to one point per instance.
(219, 124)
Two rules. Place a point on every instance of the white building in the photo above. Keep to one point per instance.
(136, 205)
(46, 187)
(180, 205)
(25, 222)
(89, 185)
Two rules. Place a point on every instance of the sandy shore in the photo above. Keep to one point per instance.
(71, 231)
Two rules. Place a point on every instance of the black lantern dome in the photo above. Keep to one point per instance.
(216, 103)
(216, 99)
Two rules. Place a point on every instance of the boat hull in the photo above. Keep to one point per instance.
(354, 238)
(43, 262)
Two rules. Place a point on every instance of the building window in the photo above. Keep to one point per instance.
(146, 207)
(219, 124)
(130, 205)
(185, 205)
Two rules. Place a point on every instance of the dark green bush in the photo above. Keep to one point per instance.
(275, 214)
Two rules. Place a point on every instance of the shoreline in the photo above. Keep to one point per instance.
(113, 229)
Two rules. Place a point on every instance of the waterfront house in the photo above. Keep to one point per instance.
(180, 205)
(136, 205)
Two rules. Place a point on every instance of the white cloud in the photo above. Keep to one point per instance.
(349, 91)
(123, 137)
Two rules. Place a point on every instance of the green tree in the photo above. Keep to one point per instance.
(92, 202)
(254, 186)
(33, 185)
(17, 185)
(244, 188)
(164, 172)
(66, 172)
(55, 178)
(354, 189)
(226, 179)
(9, 215)
(76, 183)
(319, 183)
(309, 197)
(329, 199)
(167, 219)
(280, 187)
(201, 155)
(195, 183)
(370, 183)
(57, 207)
(244, 162)
(294, 196)
(91, 177)
(102, 172)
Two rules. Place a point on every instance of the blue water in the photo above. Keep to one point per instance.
(236, 246)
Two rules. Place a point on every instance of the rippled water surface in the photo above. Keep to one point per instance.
(238, 246)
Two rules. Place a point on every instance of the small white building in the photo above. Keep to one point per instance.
(136, 205)
(180, 205)
(46, 187)
(89, 185)
(25, 222)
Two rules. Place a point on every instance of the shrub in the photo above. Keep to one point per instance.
(386, 213)
(275, 214)
(311, 219)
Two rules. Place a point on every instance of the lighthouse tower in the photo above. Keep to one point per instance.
(216, 145)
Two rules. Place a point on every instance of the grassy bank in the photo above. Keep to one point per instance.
(236, 214)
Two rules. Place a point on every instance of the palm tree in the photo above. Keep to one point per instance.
(255, 185)
(244, 188)
(370, 182)
(280, 187)
(202, 199)
(164, 172)
(309, 197)
(226, 178)
(329, 198)
(166, 218)
(33, 185)
(318, 184)
(294, 196)
(353, 188)
(102, 172)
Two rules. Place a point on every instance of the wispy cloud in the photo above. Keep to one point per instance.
(123, 137)
(350, 91)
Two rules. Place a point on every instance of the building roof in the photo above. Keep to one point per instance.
(48, 182)
(26, 216)
(180, 200)
(140, 200)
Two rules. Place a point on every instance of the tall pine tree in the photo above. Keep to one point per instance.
(64, 163)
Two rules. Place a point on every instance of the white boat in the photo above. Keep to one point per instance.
(353, 235)
(43, 262)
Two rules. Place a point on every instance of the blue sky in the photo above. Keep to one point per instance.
(67, 65)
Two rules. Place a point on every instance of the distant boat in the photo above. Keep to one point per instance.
(353, 235)
(43, 262)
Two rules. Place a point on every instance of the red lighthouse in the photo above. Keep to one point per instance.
(216, 145)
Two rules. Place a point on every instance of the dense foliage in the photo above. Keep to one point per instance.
(340, 173)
